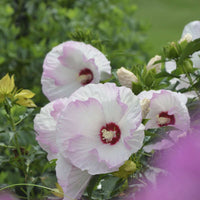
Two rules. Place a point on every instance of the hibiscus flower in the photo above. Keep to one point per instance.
(71, 65)
(93, 132)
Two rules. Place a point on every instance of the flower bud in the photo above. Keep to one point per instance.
(172, 51)
(151, 64)
(128, 168)
(187, 37)
(188, 66)
(126, 77)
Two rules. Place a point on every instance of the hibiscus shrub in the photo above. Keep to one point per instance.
(102, 126)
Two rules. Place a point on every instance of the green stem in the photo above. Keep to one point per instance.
(7, 146)
(27, 184)
(33, 185)
(8, 107)
(190, 80)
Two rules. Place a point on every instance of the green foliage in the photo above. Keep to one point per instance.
(29, 29)
(104, 187)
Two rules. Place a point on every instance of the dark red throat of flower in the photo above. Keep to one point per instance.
(86, 76)
(110, 134)
(165, 119)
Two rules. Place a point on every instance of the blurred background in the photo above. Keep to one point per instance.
(129, 32)
(166, 19)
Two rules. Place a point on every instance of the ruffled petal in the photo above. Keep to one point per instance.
(52, 91)
(170, 102)
(72, 180)
(91, 109)
(100, 59)
(83, 152)
(63, 67)
(45, 126)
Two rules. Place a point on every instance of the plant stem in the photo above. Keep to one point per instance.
(34, 185)
(190, 80)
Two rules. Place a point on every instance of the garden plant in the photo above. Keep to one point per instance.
(104, 123)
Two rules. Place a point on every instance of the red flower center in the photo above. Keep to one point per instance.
(110, 134)
(164, 119)
(85, 76)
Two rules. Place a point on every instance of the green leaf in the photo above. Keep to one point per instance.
(136, 88)
(49, 164)
(110, 186)
(94, 182)
(190, 49)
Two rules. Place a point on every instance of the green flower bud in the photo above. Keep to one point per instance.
(188, 66)
(128, 168)
(173, 50)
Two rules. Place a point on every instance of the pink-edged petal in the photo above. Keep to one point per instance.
(170, 102)
(52, 91)
(71, 56)
(98, 158)
(82, 152)
(132, 118)
(92, 108)
(116, 155)
(75, 59)
(60, 75)
(111, 97)
(72, 179)
(108, 95)
(149, 95)
(63, 67)
(135, 141)
(45, 126)
(79, 117)
(103, 92)
(100, 60)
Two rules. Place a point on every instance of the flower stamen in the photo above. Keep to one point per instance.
(110, 134)
(85, 76)
(164, 119)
